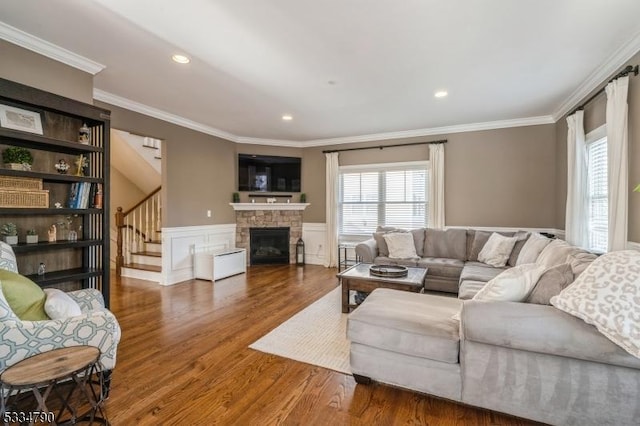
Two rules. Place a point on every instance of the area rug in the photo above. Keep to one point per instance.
(316, 335)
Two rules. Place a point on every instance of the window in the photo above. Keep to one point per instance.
(382, 194)
(597, 191)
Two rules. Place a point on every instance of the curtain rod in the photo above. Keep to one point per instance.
(626, 71)
(385, 146)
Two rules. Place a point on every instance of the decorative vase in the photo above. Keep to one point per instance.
(32, 239)
(18, 166)
(11, 239)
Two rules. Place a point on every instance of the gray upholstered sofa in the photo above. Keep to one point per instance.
(525, 359)
(451, 257)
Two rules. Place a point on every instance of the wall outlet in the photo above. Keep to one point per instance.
(208, 213)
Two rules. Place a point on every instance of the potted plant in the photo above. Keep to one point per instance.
(17, 158)
(10, 232)
(236, 197)
(32, 236)
(303, 197)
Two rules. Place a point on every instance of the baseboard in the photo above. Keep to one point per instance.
(177, 244)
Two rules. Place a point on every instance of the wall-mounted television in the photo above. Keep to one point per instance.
(268, 173)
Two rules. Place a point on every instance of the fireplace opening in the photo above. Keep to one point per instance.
(268, 246)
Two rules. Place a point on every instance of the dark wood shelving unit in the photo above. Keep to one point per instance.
(65, 275)
(30, 140)
(83, 263)
(57, 245)
(36, 211)
(49, 177)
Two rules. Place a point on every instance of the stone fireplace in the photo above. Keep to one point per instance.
(263, 215)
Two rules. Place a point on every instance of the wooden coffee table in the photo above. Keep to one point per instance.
(358, 278)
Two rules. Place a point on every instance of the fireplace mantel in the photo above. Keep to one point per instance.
(269, 206)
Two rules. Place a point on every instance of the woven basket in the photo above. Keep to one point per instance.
(28, 199)
(20, 183)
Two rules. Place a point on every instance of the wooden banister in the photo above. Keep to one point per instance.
(136, 226)
(144, 200)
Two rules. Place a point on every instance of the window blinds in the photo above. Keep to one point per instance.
(387, 196)
(598, 195)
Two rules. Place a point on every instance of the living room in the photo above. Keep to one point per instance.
(501, 172)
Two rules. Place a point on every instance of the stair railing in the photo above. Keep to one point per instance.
(137, 226)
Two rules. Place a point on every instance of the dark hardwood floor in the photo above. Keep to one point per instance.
(184, 360)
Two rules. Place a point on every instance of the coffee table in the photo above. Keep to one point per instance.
(358, 278)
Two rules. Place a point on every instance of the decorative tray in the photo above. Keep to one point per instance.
(389, 271)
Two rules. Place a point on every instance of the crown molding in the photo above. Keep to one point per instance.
(119, 101)
(600, 75)
(460, 128)
(272, 142)
(50, 50)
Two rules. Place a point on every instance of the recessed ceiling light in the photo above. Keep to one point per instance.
(441, 94)
(181, 59)
(287, 117)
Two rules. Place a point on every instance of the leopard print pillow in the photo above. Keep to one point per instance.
(607, 295)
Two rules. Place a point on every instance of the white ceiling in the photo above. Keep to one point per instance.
(503, 62)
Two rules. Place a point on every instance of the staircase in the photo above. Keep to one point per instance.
(139, 239)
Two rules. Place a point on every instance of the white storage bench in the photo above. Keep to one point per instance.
(216, 264)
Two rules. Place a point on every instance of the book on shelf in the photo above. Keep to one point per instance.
(82, 195)
(73, 195)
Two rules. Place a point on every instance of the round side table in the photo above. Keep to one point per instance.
(70, 374)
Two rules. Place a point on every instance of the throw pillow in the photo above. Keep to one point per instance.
(512, 285)
(59, 305)
(606, 295)
(401, 245)
(497, 250)
(555, 253)
(580, 261)
(479, 241)
(383, 250)
(532, 248)
(523, 237)
(551, 283)
(25, 298)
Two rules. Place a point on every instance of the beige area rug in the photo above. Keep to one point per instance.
(316, 335)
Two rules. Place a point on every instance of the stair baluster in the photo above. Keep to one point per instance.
(137, 226)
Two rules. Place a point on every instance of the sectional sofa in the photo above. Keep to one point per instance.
(526, 359)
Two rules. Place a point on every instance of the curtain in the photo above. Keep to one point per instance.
(331, 239)
(617, 144)
(577, 226)
(436, 186)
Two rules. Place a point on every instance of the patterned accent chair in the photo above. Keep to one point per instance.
(97, 326)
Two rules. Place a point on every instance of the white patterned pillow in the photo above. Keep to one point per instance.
(606, 295)
(512, 285)
(7, 258)
(401, 245)
(59, 305)
(497, 250)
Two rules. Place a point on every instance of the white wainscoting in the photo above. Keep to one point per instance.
(313, 235)
(177, 259)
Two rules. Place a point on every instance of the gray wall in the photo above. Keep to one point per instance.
(26, 67)
(595, 116)
(503, 177)
(198, 170)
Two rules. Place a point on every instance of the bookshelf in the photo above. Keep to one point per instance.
(70, 264)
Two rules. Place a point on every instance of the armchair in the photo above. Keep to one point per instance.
(97, 326)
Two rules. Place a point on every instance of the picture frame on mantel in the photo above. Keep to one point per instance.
(20, 119)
